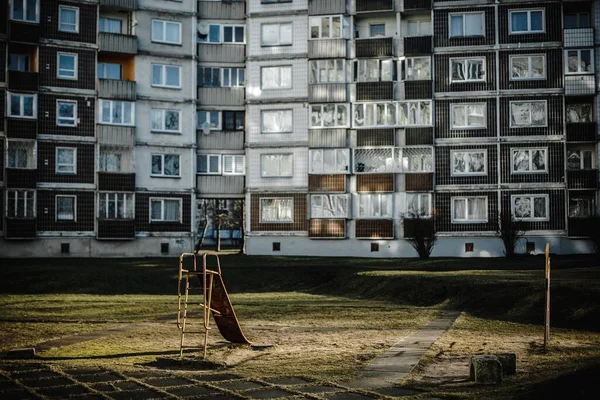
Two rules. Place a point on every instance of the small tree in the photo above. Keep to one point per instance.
(510, 232)
(419, 231)
(203, 221)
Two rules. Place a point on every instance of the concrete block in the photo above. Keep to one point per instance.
(28, 352)
(485, 369)
(509, 363)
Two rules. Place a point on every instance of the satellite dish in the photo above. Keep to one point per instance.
(203, 28)
(206, 128)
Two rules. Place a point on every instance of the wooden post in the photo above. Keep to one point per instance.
(547, 302)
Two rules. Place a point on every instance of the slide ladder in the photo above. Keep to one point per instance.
(215, 301)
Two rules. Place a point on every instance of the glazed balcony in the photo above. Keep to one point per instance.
(582, 179)
(374, 5)
(22, 80)
(24, 32)
(116, 181)
(221, 9)
(116, 229)
(390, 160)
(117, 43)
(582, 132)
(116, 89)
(326, 7)
(328, 48)
(578, 37)
(129, 5)
(374, 47)
(20, 228)
(21, 178)
(416, 5)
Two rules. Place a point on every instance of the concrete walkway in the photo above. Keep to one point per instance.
(397, 362)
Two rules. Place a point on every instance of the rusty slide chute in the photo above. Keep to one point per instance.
(215, 301)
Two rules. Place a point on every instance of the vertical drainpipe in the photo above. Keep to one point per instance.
(194, 91)
(498, 116)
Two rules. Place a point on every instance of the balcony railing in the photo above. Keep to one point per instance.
(582, 179)
(221, 9)
(120, 4)
(580, 85)
(226, 53)
(24, 32)
(384, 160)
(327, 229)
(374, 5)
(366, 91)
(416, 90)
(222, 96)
(21, 178)
(328, 92)
(376, 47)
(116, 229)
(21, 80)
(221, 140)
(326, 7)
(419, 182)
(416, 45)
(20, 228)
(232, 185)
(116, 89)
(21, 128)
(116, 181)
(116, 135)
(374, 229)
(419, 136)
(327, 48)
(580, 37)
(412, 5)
(581, 132)
(117, 43)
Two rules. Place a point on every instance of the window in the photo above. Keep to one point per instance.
(66, 208)
(327, 71)
(165, 165)
(165, 120)
(22, 105)
(276, 165)
(166, 32)
(579, 113)
(418, 205)
(467, 70)
(68, 19)
(115, 205)
(468, 162)
(405, 113)
(527, 161)
(580, 159)
(117, 112)
(66, 113)
(234, 164)
(375, 205)
(276, 34)
(466, 24)
(165, 210)
(526, 21)
(66, 160)
(276, 77)
(234, 120)
(328, 115)
(374, 70)
(209, 164)
(18, 62)
(215, 33)
(277, 121)
(109, 25)
(209, 77)
(469, 209)
(25, 10)
(416, 68)
(109, 161)
(582, 207)
(212, 120)
(20, 154)
(277, 210)
(20, 203)
(166, 75)
(525, 114)
(376, 30)
(109, 70)
(527, 67)
(232, 77)
(67, 66)
(468, 116)
(327, 27)
(418, 28)
(392, 159)
(233, 34)
(329, 206)
(329, 161)
(579, 61)
(530, 207)
(577, 20)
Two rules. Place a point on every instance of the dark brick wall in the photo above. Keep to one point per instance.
(443, 73)
(47, 163)
(87, 21)
(300, 222)
(443, 166)
(142, 213)
(86, 107)
(442, 32)
(444, 211)
(46, 211)
(2, 107)
(555, 116)
(555, 163)
(556, 209)
(443, 119)
(553, 16)
(21, 128)
(86, 60)
(554, 70)
(3, 64)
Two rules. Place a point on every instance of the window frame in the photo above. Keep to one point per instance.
(208, 118)
(21, 105)
(280, 68)
(419, 122)
(530, 168)
(419, 196)
(102, 66)
(329, 197)
(344, 27)
(58, 117)
(164, 24)
(529, 66)
(75, 66)
(57, 165)
(162, 207)
(100, 17)
(235, 162)
(579, 112)
(362, 68)
(279, 221)
(162, 173)
(31, 154)
(512, 126)
(208, 164)
(279, 42)
(102, 165)
(378, 198)
(312, 170)
(235, 113)
(319, 69)
(284, 110)
(238, 72)
(462, 14)
(22, 62)
(579, 72)
(511, 31)
(56, 218)
(163, 112)
(467, 220)
(126, 198)
(454, 106)
(163, 76)
(591, 206)
(65, 7)
(532, 198)
(336, 116)
(112, 105)
(581, 159)
(24, 200)
(280, 175)
(467, 59)
(37, 12)
(455, 173)
(404, 66)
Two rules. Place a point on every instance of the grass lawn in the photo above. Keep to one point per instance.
(326, 318)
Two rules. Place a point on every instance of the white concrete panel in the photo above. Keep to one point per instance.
(169, 5)
(254, 122)
(143, 20)
(299, 178)
(299, 36)
(144, 133)
(143, 167)
(256, 6)
(299, 87)
(143, 73)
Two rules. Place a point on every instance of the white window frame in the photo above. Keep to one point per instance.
(233, 27)
(162, 202)
(336, 116)
(162, 173)
(320, 169)
(423, 201)
(107, 151)
(322, 65)
(532, 198)
(125, 198)
(208, 164)
(462, 14)
(28, 195)
(236, 161)
(329, 198)
(453, 172)
(21, 105)
(112, 105)
(280, 70)
(163, 76)
(421, 30)
(76, 9)
(579, 113)
(163, 112)
(579, 71)
(384, 67)
(582, 158)
(209, 114)
(280, 174)
(37, 11)
(530, 76)
(102, 69)
(408, 63)
(279, 221)
(398, 106)
(545, 102)
(73, 165)
(108, 19)
(376, 197)
(466, 60)
(75, 66)
(239, 73)
(285, 111)
(344, 32)
(56, 219)
(279, 41)
(513, 150)
(467, 220)
(511, 31)
(58, 117)
(465, 106)
(164, 24)
(31, 156)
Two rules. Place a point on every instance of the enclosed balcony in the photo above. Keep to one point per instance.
(374, 5)
(417, 45)
(384, 160)
(231, 9)
(416, 5)
(116, 181)
(327, 7)
(20, 228)
(327, 229)
(117, 43)
(21, 178)
(220, 185)
(582, 179)
(116, 229)
(222, 53)
(222, 96)
(582, 132)
(328, 93)
(23, 32)
(578, 37)
(129, 5)
(366, 91)
(374, 47)
(116, 89)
